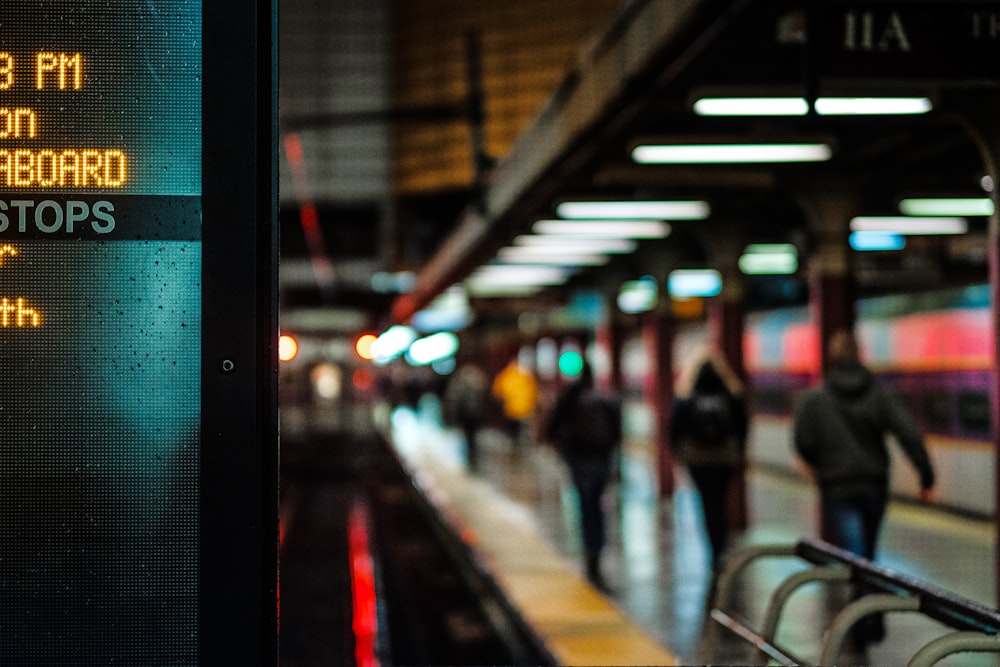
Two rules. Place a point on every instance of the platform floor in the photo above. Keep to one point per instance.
(656, 557)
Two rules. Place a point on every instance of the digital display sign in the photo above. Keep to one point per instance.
(101, 312)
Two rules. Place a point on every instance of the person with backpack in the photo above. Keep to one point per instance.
(708, 431)
(586, 428)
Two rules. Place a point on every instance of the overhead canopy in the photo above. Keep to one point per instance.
(637, 84)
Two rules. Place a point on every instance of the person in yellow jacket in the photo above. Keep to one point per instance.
(517, 391)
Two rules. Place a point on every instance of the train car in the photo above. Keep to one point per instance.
(935, 349)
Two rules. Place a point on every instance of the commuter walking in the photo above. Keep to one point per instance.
(708, 430)
(586, 428)
(517, 390)
(839, 431)
(465, 400)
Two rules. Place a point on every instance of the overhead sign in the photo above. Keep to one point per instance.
(949, 41)
(101, 316)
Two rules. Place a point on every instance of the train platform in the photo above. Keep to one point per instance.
(656, 561)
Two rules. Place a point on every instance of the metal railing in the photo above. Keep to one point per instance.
(975, 627)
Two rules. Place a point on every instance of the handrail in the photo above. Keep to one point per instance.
(977, 627)
(937, 603)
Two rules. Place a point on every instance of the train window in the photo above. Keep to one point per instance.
(771, 401)
(934, 409)
(974, 413)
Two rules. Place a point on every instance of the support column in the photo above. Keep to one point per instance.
(658, 336)
(726, 324)
(830, 206)
(981, 119)
(609, 336)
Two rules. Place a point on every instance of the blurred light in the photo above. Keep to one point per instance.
(638, 296)
(625, 229)
(288, 347)
(504, 274)
(751, 106)
(685, 283)
(448, 312)
(688, 308)
(555, 256)
(898, 224)
(873, 241)
(444, 366)
(947, 206)
(798, 106)
(584, 245)
(499, 290)
(547, 358)
(633, 210)
(729, 153)
(362, 379)
(387, 283)
(986, 183)
(326, 381)
(769, 259)
(570, 363)
(363, 346)
(872, 106)
(429, 349)
(392, 342)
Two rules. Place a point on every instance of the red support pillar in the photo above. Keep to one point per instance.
(658, 334)
(831, 279)
(609, 337)
(726, 324)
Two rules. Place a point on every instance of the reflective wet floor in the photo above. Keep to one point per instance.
(656, 559)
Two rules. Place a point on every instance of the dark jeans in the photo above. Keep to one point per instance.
(712, 483)
(851, 518)
(470, 430)
(590, 477)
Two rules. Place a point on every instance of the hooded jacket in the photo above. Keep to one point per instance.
(840, 428)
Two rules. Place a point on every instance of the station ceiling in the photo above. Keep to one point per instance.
(636, 83)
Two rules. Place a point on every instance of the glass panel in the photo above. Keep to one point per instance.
(100, 322)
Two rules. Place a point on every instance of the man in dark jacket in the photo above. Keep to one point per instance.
(839, 431)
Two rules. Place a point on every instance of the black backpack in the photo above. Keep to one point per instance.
(711, 418)
(596, 425)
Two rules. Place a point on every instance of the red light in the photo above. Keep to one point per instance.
(362, 568)
(363, 379)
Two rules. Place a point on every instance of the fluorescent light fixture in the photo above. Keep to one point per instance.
(751, 106)
(626, 229)
(872, 106)
(687, 283)
(638, 296)
(598, 245)
(429, 349)
(488, 290)
(900, 224)
(798, 106)
(947, 206)
(769, 259)
(633, 210)
(873, 241)
(555, 256)
(730, 153)
(519, 275)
